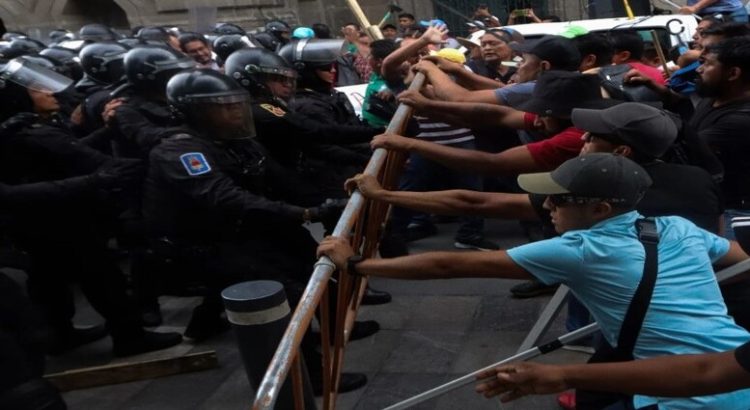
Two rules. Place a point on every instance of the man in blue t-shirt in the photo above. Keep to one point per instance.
(591, 200)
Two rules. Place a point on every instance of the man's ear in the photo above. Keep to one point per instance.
(735, 73)
(602, 210)
(623, 150)
(545, 66)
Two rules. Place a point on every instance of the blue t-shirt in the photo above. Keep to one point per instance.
(721, 6)
(514, 94)
(603, 267)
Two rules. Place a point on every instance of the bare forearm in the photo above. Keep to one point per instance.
(472, 81)
(444, 87)
(463, 202)
(703, 4)
(464, 160)
(475, 114)
(444, 265)
(392, 64)
(673, 376)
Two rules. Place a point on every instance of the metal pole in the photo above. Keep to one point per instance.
(471, 377)
(549, 314)
(259, 313)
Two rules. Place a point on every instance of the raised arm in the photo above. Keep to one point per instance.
(451, 202)
(512, 161)
(465, 78)
(429, 265)
(391, 68)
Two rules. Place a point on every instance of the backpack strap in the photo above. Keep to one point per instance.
(631, 326)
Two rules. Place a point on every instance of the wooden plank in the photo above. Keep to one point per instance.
(133, 371)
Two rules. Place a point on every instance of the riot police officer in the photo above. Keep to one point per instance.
(213, 195)
(139, 122)
(298, 142)
(276, 34)
(66, 238)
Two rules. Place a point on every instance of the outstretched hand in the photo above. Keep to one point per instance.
(444, 64)
(521, 379)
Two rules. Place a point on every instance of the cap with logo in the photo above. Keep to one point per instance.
(609, 177)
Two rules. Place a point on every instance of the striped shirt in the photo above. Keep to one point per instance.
(442, 133)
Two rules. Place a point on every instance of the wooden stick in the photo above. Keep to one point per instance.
(659, 51)
(128, 372)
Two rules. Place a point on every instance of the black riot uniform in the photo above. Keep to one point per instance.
(139, 122)
(212, 190)
(66, 238)
(311, 148)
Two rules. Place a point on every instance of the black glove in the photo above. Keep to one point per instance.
(17, 123)
(328, 212)
(119, 173)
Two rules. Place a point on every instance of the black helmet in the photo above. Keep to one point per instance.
(18, 77)
(312, 52)
(153, 34)
(68, 58)
(250, 67)
(228, 28)
(225, 45)
(10, 35)
(97, 32)
(60, 34)
(21, 46)
(48, 63)
(103, 62)
(150, 67)
(212, 102)
(277, 27)
(268, 41)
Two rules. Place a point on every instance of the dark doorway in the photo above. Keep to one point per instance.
(100, 11)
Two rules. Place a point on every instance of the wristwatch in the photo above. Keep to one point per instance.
(351, 264)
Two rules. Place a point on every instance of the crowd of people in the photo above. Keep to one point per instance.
(198, 158)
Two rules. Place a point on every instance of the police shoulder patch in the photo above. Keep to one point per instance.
(195, 163)
(277, 111)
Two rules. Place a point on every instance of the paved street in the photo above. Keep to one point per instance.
(432, 332)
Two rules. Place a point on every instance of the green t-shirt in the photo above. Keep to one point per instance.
(375, 85)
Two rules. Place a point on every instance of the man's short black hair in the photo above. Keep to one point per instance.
(381, 48)
(190, 37)
(727, 30)
(406, 15)
(321, 30)
(734, 52)
(596, 44)
(390, 26)
(351, 23)
(627, 40)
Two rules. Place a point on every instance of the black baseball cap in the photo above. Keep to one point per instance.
(557, 93)
(646, 129)
(559, 51)
(609, 177)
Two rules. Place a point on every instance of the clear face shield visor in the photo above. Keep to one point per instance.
(224, 116)
(33, 77)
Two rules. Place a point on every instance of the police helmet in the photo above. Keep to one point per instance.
(226, 44)
(213, 102)
(268, 41)
(153, 34)
(18, 77)
(228, 28)
(21, 46)
(311, 53)
(250, 67)
(10, 35)
(68, 58)
(103, 62)
(150, 67)
(97, 32)
(60, 34)
(277, 27)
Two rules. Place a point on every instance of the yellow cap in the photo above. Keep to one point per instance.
(450, 54)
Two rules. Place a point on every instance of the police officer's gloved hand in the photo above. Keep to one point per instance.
(17, 123)
(328, 212)
(119, 173)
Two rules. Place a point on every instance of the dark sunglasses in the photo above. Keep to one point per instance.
(564, 199)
